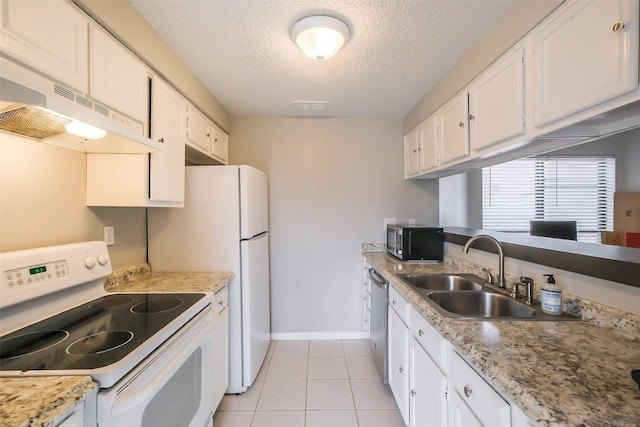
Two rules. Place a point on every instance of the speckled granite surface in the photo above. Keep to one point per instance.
(141, 279)
(559, 373)
(42, 401)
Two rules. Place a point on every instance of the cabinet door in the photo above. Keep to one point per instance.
(581, 60)
(461, 414)
(428, 405)
(168, 124)
(220, 144)
(198, 130)
(118, 78)
(411, 157)
(471, 394)
(220, 357)
(496, 102)
(454, 130)
(399, 363)
(428, 143)
(50, 36)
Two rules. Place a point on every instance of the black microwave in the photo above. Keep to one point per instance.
(415, 243)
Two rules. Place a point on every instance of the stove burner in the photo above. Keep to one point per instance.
(30, 343)
(157, 305)
(101, 342)
(110, 301)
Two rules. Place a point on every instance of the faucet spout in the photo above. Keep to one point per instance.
(467, 245)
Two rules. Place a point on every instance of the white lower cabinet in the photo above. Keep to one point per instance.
(398, 356)
(428, 384)
(221, 343)
(473, 401)
(428, 380)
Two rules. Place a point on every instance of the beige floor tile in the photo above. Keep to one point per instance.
(288, 368)
(247, 401)
(372, 394)
(327, 368)
(233, 419)
(379, 418)
(331, 418)
(279, 419)
(283, 395)
(356, 348)
(291, 349)
(329, 394)
(326, 348)
(362, 367)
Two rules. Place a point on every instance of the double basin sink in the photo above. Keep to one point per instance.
(465, 296)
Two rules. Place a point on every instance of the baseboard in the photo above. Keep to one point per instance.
(289, 336)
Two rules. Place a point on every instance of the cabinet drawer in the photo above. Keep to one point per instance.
(399, 304)
(431, 341)
(485, 403)
(220, 299)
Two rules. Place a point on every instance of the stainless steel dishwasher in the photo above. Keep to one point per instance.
(378, 331)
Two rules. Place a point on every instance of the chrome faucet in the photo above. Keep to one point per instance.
(467, 245)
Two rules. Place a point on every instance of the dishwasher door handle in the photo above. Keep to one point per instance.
(379, 280)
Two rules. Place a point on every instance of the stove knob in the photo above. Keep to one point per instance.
(89, 262)
(103, 259)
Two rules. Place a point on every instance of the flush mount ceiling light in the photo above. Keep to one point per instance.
(320, 37)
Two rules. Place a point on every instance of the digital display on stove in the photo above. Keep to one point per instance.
(38, 270)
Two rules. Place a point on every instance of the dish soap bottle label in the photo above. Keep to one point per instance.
(551, 297)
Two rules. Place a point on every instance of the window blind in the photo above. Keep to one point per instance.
(550, 188)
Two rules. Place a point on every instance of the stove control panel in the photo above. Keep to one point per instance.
(33, 273)
(36, 274)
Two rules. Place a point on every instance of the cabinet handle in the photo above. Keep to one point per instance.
(472, 117)
(420, 332)
(617, 27)
(220, 303)
(393, 302)
(461, 124)
(413, 393)
(208, 135)
(400, 369)
(161, 140)
(467, 391)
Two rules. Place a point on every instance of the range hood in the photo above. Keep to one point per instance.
(36, 107)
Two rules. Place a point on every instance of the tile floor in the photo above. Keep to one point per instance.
(313, 384)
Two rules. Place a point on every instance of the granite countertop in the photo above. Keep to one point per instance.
(169, 282)
(41, 401)
(557, 372)
(45, 401)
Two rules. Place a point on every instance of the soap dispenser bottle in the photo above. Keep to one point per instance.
(551, 296)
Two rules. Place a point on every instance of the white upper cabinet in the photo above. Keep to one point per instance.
(51, 36)
(118, 78)
(584, 55)
(496, 102)
(206, 142)
(155, 179)
(169, 126)
(429, 144)
(454, 129)
(411, 155)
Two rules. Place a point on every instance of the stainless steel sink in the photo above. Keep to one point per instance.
(479, 305)
(443, 282)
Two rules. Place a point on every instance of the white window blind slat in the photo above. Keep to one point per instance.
(550, 188)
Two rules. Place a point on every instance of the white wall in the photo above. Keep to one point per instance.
(42, 203)
(331, 183)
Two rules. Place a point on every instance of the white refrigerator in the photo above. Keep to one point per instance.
(223, 227)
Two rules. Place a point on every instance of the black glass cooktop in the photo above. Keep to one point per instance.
(93, 335)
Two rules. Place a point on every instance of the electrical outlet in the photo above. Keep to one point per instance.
(109, 235)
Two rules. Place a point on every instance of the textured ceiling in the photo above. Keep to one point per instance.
(242, 52)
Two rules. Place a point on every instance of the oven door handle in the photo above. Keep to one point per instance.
(128, 401)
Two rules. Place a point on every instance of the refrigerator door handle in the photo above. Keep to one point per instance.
(257, 236)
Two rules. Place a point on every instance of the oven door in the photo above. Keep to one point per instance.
(173, 387)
